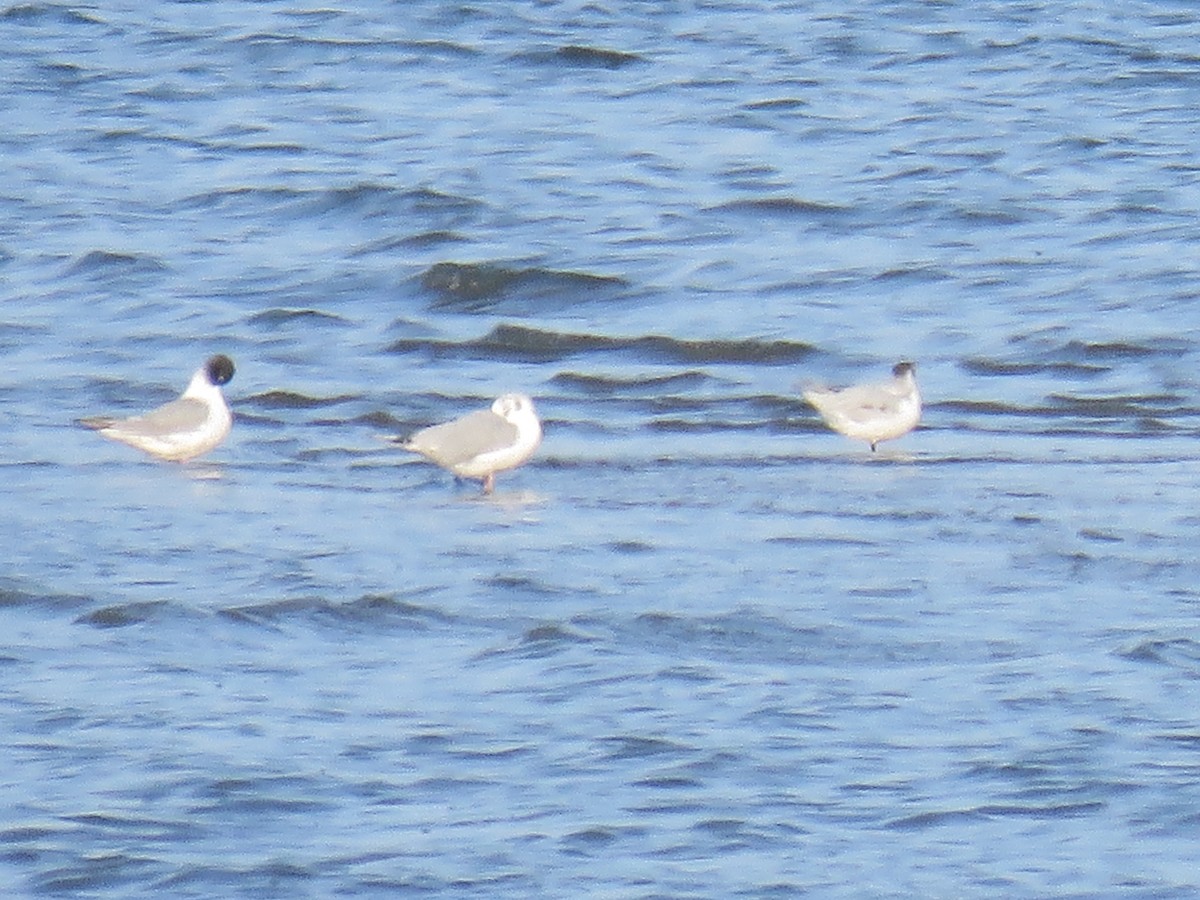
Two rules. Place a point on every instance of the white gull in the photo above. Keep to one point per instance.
(874, 412)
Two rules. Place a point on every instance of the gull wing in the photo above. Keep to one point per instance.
(868, 401)
(179, 416)
(862, 403)
(454, 443)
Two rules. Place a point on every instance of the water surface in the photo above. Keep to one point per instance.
(700, 646)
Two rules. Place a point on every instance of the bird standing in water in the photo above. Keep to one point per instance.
(484, 442)
(874, 412)
(186, 427)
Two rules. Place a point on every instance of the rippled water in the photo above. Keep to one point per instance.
(700, 646)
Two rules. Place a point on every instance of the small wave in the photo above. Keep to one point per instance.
(553, 632)
(638, 747)
(370, 610)
(779, 103)
(229, 197)
(1081, 142)
(18, 597)
(371, 200)
(264, 148)
(631, 547)
(380, 419)
(1053, 811)
(59, 76)
(580, 56)
(1178, 653)
(994, 216)
(292, 400)
(104, 262)
(428, 200)
(919, 274)
(1099, 535)
(589, 839)
(987, 408)
(433, 238)
(517, 342)
(607, 385)
(1076, 358)
(517, 583)
(274, 318)
(36, 13)
(1148, 410)
(547, 639)
(442, 47)
(270, 40)
(365, 199)
(93, 874)
(917, 171)
(126, 614)
(825, 540)
(979, 365)
(1124, 213)
(697, 426)
(392, 243)
(471, 287)
(266, 795)
(781, 206)
(593, 57)
(737, 635)
(1124, 350)
(1135, 406)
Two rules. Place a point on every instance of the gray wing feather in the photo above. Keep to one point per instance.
(456, 442)
(857, 404)
(182, 415)
(871, 402)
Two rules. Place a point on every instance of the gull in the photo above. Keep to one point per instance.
(183, 429)
(484, 442)
(872, 412)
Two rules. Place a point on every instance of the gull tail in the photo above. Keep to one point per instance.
(97, 423)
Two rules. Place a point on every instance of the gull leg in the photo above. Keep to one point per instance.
(489, 482)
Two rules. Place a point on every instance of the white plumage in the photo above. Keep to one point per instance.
(872, 412)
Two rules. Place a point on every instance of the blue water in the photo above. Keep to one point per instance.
(700, 646)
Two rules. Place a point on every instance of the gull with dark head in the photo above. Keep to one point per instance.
(874, 412)
(186, 427)
(484, 442)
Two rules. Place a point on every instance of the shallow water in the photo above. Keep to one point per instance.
(700, 646)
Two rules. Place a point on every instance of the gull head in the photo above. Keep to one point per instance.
(904, 367)
(514, 408)
(219, 369)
